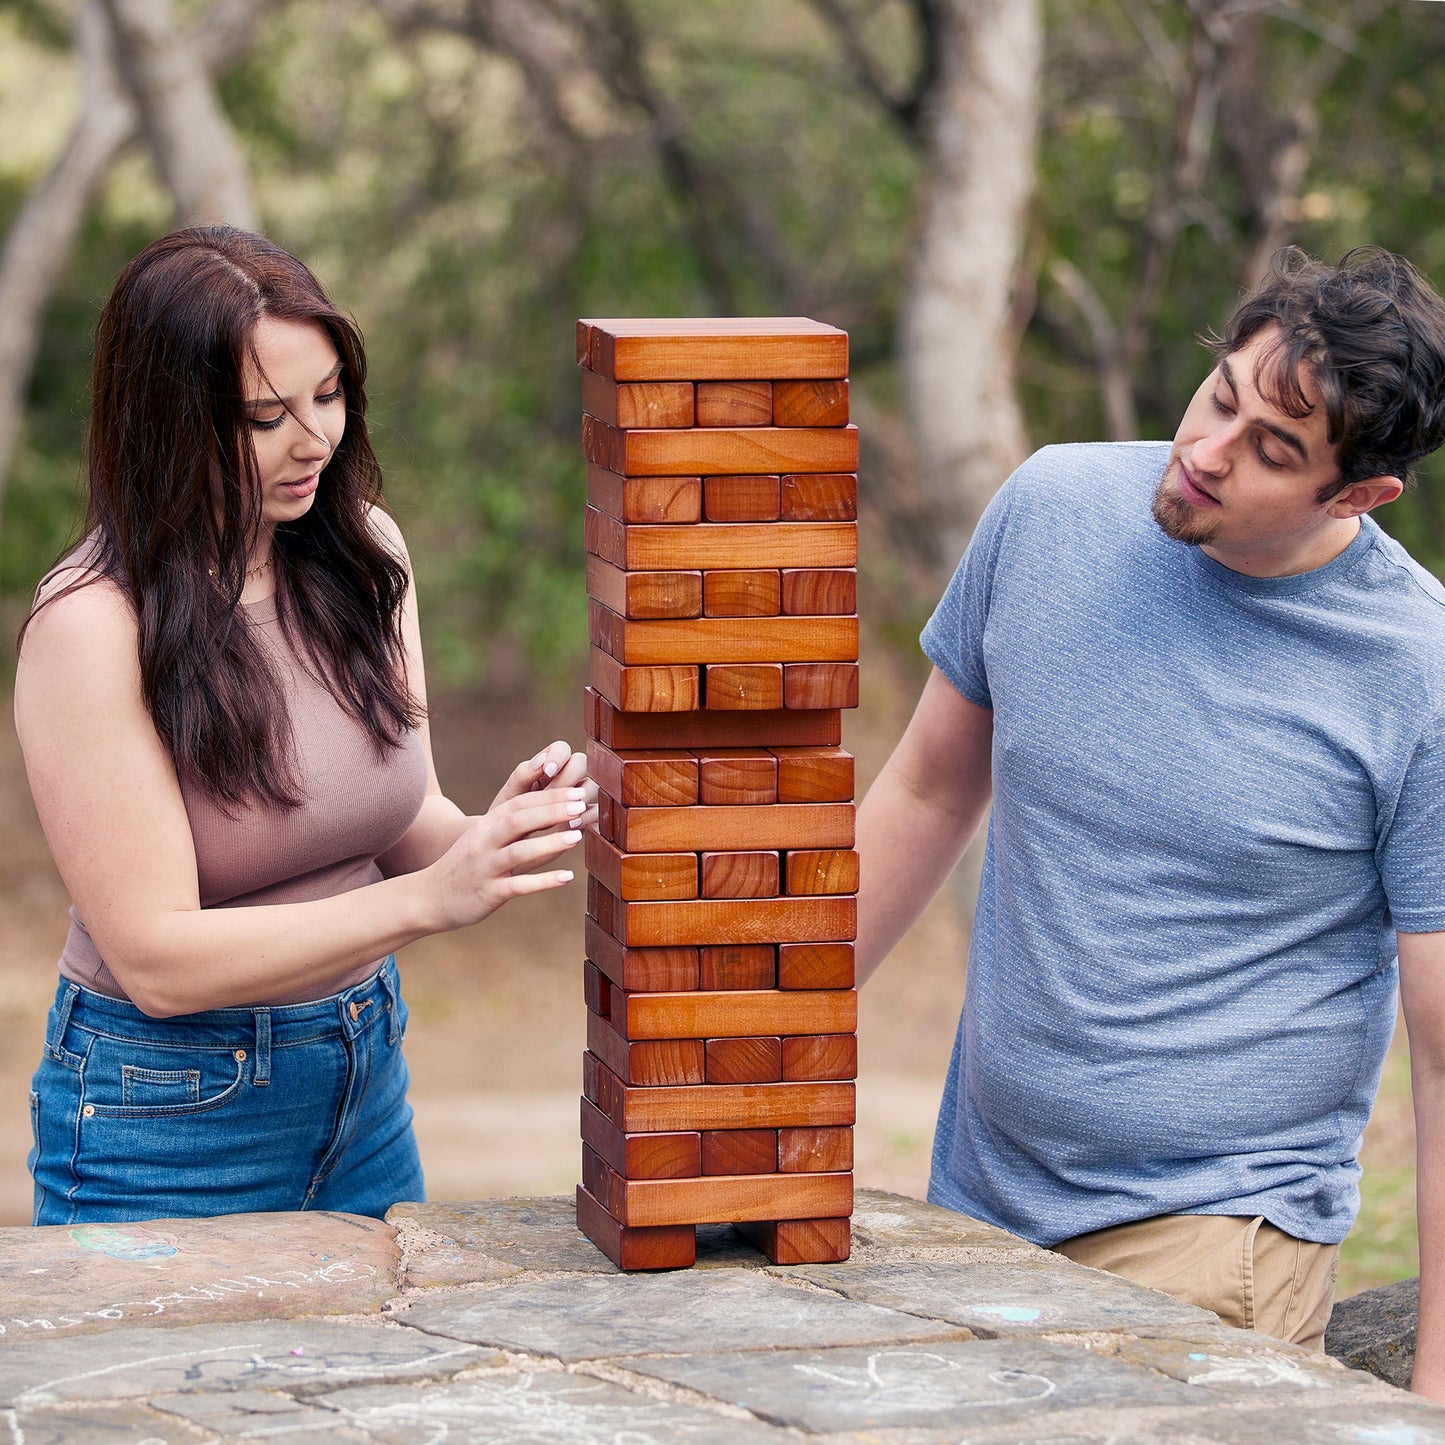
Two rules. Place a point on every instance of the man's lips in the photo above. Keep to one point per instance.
(1192, 492)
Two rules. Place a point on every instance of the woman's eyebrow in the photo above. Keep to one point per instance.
(287, 400)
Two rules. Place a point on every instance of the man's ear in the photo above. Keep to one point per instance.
(1361, 497)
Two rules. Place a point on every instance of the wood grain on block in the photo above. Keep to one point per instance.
(736, 592)
(640, 547)
(647, 594)
(644, 970)
(657, 876)
(650, 1062)
(661, 1247)
(605, 537)
(736, 776)
(819, 591)
(639, 404)
(815, 871)
(814, 775)
(755, 687)
(713, 348)
(728, 1198)
(821, 1056)
(811, 965)
(723, 639)
(731, 1106)
(606, 816)
(817, 402)
(742, 499)
(642, 1156)
(601, 1181)
(733, 1014)
(673, 500)
(738, 965)
(815, 1150)
(645, 689)
(602, 904)
(682, 830)
(744, 1061)
(753, 874)
(715, 450)
(655, 777)
(625, 731)
(645, 924)
(740, 1151)
(800, 1241)
(819, 497)
(819, 684)
(734, 403)
(596, 989)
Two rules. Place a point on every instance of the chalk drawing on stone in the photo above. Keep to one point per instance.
(1260, 1371)
(133, 1241)
(1391, 1432)
(925, 1380)
(1014, 1314)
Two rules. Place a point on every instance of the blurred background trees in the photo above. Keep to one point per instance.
(1023, 211)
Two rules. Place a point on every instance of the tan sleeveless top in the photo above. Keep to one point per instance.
(358, 803)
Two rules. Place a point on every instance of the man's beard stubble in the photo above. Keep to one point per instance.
(1178, 520)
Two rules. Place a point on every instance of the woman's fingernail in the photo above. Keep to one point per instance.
(550, 770)
(566, 876)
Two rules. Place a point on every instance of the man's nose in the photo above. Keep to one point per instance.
(1211, 452)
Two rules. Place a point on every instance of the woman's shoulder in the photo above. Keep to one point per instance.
(385, 526)
(79, 608)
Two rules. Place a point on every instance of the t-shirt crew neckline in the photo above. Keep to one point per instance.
(260, 611)
(1294, 584)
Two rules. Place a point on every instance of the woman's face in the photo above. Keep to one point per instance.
(296, 412)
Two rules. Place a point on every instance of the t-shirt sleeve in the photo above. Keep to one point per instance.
(1411, 848)
(952, 638)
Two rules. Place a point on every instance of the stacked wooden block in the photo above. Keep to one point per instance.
(721, 575)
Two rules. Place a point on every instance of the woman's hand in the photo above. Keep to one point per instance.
(556, 766)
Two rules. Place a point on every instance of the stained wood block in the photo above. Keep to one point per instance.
(651, 1062)
(625, 731)
(742, 499)
(813, 965)
(818, 497)
(737, 776)
(727, 592)
(821, 1056)
(739, 965)
(656, 777)
(642, 970)
(644, 499)
(752, 874)
(734, 403)
(814, 871)
(669, 1110)
(740, 1151)
(600, 1181)
(744, 1061)
(819, 591)
(603, 905)
(646, 689)
(642, 547)
(606, 817)
(815, 1150)
(642, 1156)
(723, 639)
(800, 1241)
(819, 684)
(755, 687)
(655, 876)
(814, 775)
(712, 348)
(733, 1197)
(733, 1014)
(648, 594)
(646, 924)
(640, 404)
(596, 989)
(681, 830)
(713, 451)
(660, 1247)
(819, 402)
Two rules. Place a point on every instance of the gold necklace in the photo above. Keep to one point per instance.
(260, 571)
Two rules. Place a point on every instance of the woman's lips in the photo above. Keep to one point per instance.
(304, 487)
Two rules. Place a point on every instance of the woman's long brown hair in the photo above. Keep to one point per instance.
(174, 501)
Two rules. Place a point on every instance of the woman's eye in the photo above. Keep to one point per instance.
(269, 424)
(332, 395)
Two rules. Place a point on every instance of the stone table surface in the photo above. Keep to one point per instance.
(496, 1321)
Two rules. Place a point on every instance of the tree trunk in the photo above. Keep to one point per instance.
(958, 331)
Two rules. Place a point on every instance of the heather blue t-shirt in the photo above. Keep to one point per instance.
(1215, 799)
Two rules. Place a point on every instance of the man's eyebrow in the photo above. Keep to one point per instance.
(287, 400)
(1289, 438)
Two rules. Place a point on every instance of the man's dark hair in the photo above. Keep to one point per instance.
(1369, 335)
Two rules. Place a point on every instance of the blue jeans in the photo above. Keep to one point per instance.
(231, 1111)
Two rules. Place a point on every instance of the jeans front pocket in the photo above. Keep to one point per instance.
(140, 1079)
(148, 1088)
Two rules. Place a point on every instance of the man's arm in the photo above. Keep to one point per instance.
(920, 814)
(1422, 991)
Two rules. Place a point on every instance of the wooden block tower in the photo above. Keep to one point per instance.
(722, 544)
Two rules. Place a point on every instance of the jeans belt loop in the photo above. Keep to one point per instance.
(261, 1072)
(62, 1022)
(391, 984)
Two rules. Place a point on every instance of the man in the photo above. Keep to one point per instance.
(1207, 695)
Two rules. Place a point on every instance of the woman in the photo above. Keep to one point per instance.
(221, 706)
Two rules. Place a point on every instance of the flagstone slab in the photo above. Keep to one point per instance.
(900, 1225)
(88, 1277)
(609, 1316)
(126, 1423)
(1375, 1331)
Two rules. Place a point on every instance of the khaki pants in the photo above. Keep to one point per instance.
(1252, 1275)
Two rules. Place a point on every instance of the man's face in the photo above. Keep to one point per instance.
(1244, 478)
